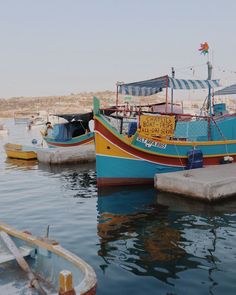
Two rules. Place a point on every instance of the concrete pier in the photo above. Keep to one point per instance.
(80, 154)
(211, 183)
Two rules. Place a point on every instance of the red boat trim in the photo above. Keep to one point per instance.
(92, 291)
(71, 144)
(158, 159)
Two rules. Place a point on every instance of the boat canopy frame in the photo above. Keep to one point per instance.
(156, 85)
(85, 117)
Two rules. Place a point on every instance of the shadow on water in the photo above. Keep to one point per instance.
(184, 204)
(57, 169)
(162, 236)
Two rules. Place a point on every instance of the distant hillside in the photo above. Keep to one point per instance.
(74, 103)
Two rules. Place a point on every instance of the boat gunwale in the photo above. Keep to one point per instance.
(89, 281)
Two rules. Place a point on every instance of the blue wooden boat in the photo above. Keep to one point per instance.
(51, 269)
(160, 142)
(75, 132)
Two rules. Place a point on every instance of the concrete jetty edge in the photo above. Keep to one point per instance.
(212, 183)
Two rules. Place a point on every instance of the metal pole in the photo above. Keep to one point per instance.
(209, 70)
(166, 93)
(172, 90)
(117, 95)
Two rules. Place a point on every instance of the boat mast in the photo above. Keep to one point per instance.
(167, 80)
(209, 70)
(117, 93)
(172, 90)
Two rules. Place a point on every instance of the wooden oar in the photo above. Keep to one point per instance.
(22, 262)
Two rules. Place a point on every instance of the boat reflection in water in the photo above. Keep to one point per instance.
(171, 239)
(137, 233)
(19, 164)
(204, 228)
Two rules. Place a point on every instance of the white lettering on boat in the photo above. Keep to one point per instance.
(149, 143)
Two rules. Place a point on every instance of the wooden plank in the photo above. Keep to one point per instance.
(22, 262)
(24, 251)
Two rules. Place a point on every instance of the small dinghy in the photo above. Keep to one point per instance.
(18, 151)
(48, 268)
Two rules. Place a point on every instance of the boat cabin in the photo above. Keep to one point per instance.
(76, 125)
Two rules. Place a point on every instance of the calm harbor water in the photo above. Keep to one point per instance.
(137, 240)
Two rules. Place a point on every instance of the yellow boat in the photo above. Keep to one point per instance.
(18, 151)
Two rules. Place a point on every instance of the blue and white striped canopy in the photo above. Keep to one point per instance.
(150, 87)
(227, 90)
(192, 84)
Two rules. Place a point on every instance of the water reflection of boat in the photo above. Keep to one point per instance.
(136, 233)
(46, 263)
(162, 237)
(21, 164)
(204, 231)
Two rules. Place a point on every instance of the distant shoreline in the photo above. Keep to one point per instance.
(74, 103)
(83, 102)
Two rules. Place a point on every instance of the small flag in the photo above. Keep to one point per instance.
(204, 48)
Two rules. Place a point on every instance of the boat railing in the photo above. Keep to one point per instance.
(188, 127)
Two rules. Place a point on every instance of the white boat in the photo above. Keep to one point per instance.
(50, 268)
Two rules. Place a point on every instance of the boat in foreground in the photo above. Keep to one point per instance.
(160, 143)
(46, 262)
(18, 151)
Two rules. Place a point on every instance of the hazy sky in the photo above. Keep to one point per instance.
(58, 47)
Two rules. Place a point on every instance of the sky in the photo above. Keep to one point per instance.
(59, 47)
